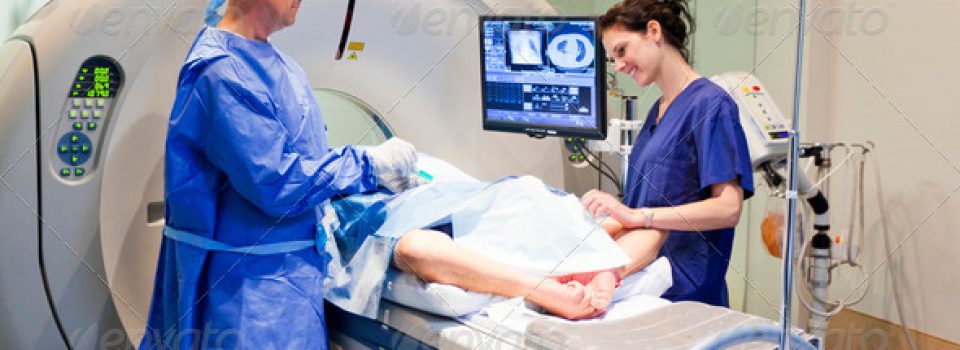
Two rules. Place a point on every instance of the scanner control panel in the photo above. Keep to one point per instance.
(85, 115)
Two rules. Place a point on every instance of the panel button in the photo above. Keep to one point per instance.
(79, 172)
(85, 114)
(74, 114)
(65, 172)
(88, 103)
(92, 126)
(77, 102)
(101, 102)
(75, 148)
(97, 114)
(78, 126)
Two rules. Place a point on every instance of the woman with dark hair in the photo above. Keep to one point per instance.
(689, 169)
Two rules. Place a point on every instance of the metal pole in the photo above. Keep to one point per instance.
(793, 158)
(627, 135)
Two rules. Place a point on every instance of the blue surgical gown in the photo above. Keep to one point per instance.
(247, 163)
(698, 143)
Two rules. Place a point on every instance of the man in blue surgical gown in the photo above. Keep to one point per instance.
(247, 169)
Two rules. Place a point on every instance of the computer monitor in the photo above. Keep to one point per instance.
(543, 76)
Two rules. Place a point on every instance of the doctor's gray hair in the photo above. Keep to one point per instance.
(673, 15)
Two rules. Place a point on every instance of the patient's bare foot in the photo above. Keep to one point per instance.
(571, 300)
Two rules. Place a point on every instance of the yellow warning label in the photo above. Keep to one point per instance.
(356, 46)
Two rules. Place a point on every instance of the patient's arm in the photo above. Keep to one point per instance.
(613, 227)
(433, 256)
(642, 246)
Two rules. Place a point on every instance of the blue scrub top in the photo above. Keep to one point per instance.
(247, 163)
(698, 143)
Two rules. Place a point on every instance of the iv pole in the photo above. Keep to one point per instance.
(793, 158)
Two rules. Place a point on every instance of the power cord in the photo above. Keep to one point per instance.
(600, 166)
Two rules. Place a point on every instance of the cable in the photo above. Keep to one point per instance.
(583, 147)
(857, 212)
(862, 237)
(602, 167)
(603, 172)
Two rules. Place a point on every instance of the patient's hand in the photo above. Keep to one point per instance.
(599, 286)
(613, 227)
(571, 300)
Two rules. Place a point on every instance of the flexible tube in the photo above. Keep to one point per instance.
(850, 153)
(754, 333)
(840, 305)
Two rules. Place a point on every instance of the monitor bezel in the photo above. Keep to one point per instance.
(540, 130)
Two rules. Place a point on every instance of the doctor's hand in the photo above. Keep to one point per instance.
(393, 159)
(398, 184)
(603, 205)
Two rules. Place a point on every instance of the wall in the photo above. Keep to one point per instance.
(15, 12)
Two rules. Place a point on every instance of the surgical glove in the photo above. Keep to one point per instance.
(397, 184)
(393, 162)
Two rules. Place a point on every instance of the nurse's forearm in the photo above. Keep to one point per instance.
(720, 211)
(705, 215)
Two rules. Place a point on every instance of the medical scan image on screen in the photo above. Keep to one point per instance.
(540, 73)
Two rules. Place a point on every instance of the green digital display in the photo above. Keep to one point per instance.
(101, 82)
(98, 77)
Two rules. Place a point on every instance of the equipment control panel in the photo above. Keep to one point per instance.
(766, 129)
(84, 117)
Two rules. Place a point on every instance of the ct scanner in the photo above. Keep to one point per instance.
(80, 226)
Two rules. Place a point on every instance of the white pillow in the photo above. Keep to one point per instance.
(440, 169)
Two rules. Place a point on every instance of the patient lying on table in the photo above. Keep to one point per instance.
(512, 238)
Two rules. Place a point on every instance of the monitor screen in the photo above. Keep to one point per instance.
(543, 76)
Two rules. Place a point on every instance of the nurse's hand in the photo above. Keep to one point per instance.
(604, 205)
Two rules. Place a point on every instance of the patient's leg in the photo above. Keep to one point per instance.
(434, 257)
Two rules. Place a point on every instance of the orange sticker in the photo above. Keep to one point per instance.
(356, 46)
